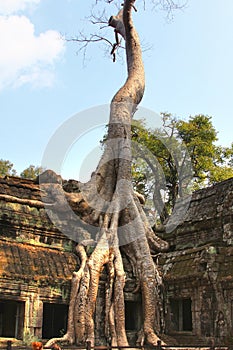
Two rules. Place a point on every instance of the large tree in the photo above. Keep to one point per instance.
(210, 163)
(108, 202)
(31, 172)
(7, 168)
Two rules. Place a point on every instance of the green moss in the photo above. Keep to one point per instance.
(28, 338)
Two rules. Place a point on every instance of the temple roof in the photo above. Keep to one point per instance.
(18, 187)
(208, 217)
(20, 261)
(210, 262)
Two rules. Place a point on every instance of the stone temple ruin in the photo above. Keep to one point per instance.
(37, 262)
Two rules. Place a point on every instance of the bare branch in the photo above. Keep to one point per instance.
(170, 5)
(94, 38)
(100, 18)
(84, 42)
(102, 21)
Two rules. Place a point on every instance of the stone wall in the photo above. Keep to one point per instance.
(208, 218)
(37, 262)
(199, 270)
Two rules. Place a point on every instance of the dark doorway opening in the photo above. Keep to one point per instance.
(54, 320)
(11, 319)
(187, 315)
(181, 314)
(133, 315)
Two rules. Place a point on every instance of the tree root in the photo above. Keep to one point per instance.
(85, 281)
(110, 192)
(85, 284)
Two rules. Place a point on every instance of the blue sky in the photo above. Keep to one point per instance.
(43, 82)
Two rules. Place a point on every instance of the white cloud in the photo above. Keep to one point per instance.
(12, 6)
(25, 57)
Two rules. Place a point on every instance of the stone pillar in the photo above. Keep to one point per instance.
(27, 335)
(33, 317)
(36, 316)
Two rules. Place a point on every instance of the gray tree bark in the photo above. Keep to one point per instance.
(120, 217)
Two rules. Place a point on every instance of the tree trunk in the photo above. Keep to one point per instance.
(121, 221)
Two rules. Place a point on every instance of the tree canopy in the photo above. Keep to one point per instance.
(31, 172)
(7, 168)
(158, 178)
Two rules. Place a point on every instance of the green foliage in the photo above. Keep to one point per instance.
(62, 332)
(211, 163)
(6, 168)
(68, 247)
(28, 338)
(31, 172)
(220, 173)
(199, 136)
(162, 159)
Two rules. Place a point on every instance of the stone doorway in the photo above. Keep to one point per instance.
(181, 315)
(133, 315)
(54, 320)
(11, 318)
